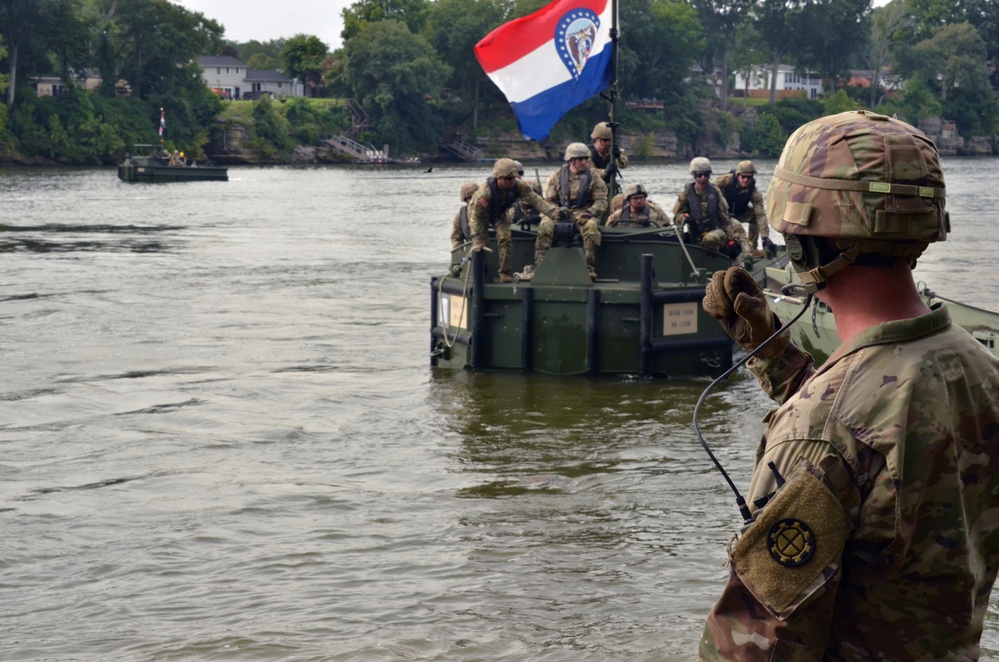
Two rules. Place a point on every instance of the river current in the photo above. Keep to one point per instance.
(220, 438)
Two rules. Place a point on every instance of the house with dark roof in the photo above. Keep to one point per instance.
(231, 79)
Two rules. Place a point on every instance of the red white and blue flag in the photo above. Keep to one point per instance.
(162, 124)
(551, 61)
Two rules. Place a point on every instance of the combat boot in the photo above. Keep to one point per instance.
(505, 277)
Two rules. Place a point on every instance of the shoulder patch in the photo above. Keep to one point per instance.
(483, 202)
(792, 550)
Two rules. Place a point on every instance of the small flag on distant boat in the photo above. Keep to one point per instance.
(162, 124)
(551, 61)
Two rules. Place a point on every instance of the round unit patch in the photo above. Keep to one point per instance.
(792, 542)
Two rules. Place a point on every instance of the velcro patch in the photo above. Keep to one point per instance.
(789, 553)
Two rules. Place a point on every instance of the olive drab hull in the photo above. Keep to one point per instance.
(155, 169)
(815, 331)
(642, 316)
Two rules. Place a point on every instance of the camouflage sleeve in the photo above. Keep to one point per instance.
(681, 206)
(478, 213)
(721, 182)
(598, 192)
(613, 218)
(622, 160)
(552, 191)
(782, 376)
(722, 204)
(544, 206)
(760, 213)
(657, 216)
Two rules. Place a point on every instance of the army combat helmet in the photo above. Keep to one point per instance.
(576, 151)
(602, 131)
(468, 189)
(700, 164)
(745, 168)
(870, 185)
(635, 189)
(504, 168)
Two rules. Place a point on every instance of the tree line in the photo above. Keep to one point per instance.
(410, 65)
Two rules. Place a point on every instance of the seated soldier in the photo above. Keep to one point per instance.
(580, 189)
(703, 208)
(638, 212)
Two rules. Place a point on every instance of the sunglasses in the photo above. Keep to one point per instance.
(745, 176)
(509, 179)
(701, 175)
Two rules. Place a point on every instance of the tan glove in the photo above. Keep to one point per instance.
(736, 300)
(478, 246)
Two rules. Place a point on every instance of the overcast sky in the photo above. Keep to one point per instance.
(244, 20)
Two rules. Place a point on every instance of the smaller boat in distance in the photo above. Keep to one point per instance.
(145, 164)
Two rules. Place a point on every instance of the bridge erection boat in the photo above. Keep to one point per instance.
(145, 166)
(642, 316)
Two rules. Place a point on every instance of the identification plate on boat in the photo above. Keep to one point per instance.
(454, 309)
(680, 318)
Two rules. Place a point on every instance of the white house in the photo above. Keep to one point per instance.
(790, 82)
(231, 79)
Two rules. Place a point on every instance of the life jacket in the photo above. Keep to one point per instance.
(466, 229)
(738, 199)
(713, 220)
(583, 197)
(625, 220)
(499, 200)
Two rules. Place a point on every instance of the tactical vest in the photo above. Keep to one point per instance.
(626, 220)
(600, 162)
(466, 230)
(583, 197)
(500, 201)
(713, 220)
(738, 199)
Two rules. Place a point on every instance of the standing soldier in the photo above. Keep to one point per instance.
(600, 154)
(745, 204)
(873, 532)
(579, 188)
(461, 231)
(703, 207)
(638, 211)
(489, 206)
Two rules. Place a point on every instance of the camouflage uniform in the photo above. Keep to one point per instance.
(901, 498)
(594, 202)
(745, 205)
(599, 162)
(720, 228)
(461, 231)
(483, 212)
(875, 499)
(649, 215)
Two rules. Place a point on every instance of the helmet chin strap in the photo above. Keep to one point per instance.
(815, 279)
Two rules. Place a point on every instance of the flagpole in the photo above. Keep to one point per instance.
(614, 92)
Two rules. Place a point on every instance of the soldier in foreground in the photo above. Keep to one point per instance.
(745, 204)
(638, 211)
(461, 231)
(579, 188)
(489, 205)
(874, 533)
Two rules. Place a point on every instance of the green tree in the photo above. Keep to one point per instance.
(396, 76)
(21, 21)
(776, 22)
(890, 25)
(766, 138)
(302, 57)
(363, 13)
(827, 35)
(453, 28)
(721, 20)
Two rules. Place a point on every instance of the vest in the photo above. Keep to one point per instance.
(500, 201)
(713, 220)
(626, 220)
(583, 198)
(466, 230)
(600, 162)
(738, 198)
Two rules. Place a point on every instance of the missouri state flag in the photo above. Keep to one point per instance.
(551, 61)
